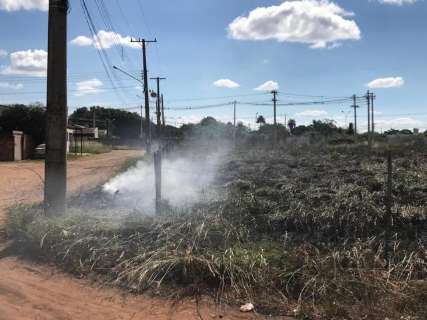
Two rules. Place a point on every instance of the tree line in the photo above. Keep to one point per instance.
(127, 125)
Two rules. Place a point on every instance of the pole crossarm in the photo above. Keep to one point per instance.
(140, 40)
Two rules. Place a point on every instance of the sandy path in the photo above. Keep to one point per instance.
(23, 182)
(31, 291)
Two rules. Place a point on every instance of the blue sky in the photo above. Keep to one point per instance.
(307, 47)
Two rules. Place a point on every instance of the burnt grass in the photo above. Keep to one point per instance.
(298, 230)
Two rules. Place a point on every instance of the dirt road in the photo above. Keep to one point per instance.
(22, 182)
(29, 291)
(34, 292)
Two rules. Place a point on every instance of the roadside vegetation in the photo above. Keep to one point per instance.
(90, 147)
(297, 230)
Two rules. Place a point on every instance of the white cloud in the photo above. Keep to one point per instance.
(312, 113)
(8, 85)
(398, 123)
(3, 53)
(105, 40)
(397, 2)
(226, 83)
(319, 23)
(86, 87)
(383, 83)
(268, 86)
(82, 41)
(29, 63)
(15, 5)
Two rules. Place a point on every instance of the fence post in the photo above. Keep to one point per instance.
(158, 179)
(388, 218)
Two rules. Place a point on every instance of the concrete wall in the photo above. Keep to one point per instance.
(16, 146)
(18, 137)
(7, 147)
(28, 146)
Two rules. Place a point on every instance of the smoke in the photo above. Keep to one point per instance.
(187, 179)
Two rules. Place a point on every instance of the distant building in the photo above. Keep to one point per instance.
(89, 133)
(416, 131)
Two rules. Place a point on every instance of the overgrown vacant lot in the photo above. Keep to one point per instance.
(300, 231)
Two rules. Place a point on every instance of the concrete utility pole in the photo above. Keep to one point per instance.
(56, 114)
(145, 80)
(274, 92)
(355, 106)
(158, 106)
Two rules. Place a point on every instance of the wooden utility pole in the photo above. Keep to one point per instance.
(163, 112)
(158, 104)
(355, 106)
(143, 43)
(274, 92)
(56, 113)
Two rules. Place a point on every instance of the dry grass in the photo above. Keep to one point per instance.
(300, 231)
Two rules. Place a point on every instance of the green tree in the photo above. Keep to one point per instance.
(406, 132)
(29, 119)
(324, 127)
(123, 124)
(300, 130)
(292, 125)
(260, 120)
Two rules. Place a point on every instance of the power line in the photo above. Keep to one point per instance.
(220, 105)
(93, 31)
(212, 106)
(304, 103)
(124, 17)
(290, 94)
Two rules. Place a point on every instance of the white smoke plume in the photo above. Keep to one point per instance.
(186, 180)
